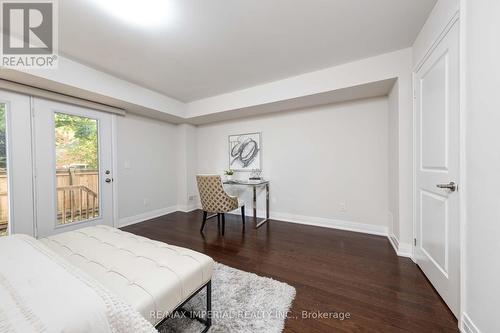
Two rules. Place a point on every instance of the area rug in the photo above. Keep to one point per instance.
(242, 302)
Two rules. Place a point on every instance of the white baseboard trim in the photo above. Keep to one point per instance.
(123, 222)
(467, 325)
(394, 242)
(324, 222)
(188, 208)
(330, 223)
(402, 249)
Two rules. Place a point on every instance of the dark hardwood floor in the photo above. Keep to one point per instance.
(332, 271)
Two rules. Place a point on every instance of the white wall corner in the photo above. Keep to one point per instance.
(467, 325)
(123, 222)
(402, 249)
(390, 222)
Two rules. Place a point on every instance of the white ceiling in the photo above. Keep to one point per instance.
(211, 47)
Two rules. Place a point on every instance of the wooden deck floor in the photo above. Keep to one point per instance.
(332, 270)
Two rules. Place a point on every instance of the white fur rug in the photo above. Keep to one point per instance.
(242, 302)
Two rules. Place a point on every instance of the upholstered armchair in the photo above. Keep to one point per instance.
(214, 199)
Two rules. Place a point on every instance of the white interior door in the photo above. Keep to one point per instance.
(73, 160)
(437, 168)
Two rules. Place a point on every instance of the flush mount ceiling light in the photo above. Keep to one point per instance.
(139, 12)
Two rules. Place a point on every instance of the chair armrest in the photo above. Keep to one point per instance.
(234, 200)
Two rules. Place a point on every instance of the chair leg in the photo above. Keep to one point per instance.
(243, 216)
(223, 223)
(218, 221)
(204, 221)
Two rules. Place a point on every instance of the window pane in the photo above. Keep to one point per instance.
(4, 202)
(77, 170)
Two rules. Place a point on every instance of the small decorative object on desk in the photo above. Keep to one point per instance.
(229, 174)
(255, 175)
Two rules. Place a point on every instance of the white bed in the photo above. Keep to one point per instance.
(79, 272)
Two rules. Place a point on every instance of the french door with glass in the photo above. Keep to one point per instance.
(16, 165)
(73, 167)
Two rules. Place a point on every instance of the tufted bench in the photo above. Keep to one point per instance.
(154, 277)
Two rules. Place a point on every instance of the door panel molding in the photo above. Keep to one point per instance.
(430, 123)
(443, 266)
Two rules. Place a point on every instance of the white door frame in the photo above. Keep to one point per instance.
(19, 162)
(462, 138)
(114, 163)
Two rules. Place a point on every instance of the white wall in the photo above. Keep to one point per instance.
(482, 108)
(316, 159)
(147, 168)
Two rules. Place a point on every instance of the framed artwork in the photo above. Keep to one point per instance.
(244, 152)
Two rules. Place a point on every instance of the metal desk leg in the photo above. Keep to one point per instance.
(255, 205)
(267, 207)
(267, 201)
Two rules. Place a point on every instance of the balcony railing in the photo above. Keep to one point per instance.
(76, 203)
(77, 196)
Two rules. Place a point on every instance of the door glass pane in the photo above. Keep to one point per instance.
(77, 168)
(4, 202)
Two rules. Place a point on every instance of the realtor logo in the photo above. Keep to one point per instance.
(29, 34)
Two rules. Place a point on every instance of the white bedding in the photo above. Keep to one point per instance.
(41, 292)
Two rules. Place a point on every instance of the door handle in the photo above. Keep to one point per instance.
(108, 180)
(450, 186)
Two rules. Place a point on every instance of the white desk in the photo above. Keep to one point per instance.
(254, 184)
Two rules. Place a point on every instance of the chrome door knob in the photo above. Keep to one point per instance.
(450, 186)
